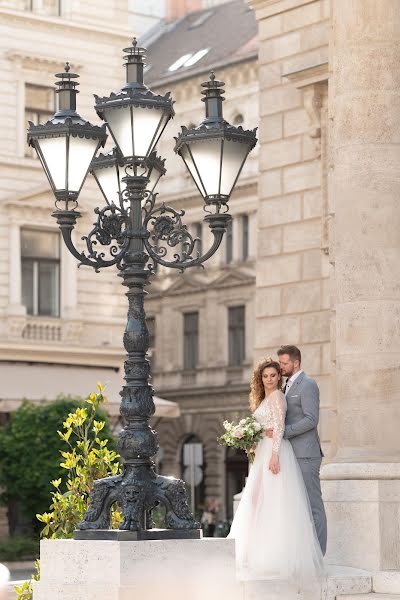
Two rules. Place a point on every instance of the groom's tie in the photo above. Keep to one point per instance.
(285, 389)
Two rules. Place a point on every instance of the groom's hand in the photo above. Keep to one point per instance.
(269, 433)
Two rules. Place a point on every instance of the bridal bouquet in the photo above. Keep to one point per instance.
(243, 435)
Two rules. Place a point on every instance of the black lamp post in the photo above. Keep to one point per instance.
(130, 229)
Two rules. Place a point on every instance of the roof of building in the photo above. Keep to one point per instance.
(201, 40)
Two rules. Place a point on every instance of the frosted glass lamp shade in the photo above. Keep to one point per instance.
(66, 150)
(135, 129)
(214, 163)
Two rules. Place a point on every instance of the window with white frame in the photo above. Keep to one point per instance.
(39, 107)
(229, 243)
(198, 234)
(151, 326)
(245, 237)
(236, 335)
(40, 272)
(190, 340)
(47, 7)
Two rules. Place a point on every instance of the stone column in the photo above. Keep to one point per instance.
(365, 107)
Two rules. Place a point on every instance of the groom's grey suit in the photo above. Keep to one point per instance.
(301, 430)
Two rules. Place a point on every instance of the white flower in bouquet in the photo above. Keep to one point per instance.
(238, 432)
(243, 435)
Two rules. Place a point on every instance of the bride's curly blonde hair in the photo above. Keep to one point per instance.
(257, 392)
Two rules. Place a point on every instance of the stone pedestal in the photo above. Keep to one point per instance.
(362, 503)
(165, 569)
(115, 570)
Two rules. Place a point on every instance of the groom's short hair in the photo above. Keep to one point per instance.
(293, 352)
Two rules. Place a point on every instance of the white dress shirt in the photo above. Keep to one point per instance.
(291, 380)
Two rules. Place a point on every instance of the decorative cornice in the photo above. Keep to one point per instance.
(267, 8)
(193, 194)
(318, 73)
(232, 278)
(37, 62)
(62, 23)
(201, 71)
(170, 393)
(187, 89)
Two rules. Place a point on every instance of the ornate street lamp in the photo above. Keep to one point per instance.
(130, 229)
(215, 152)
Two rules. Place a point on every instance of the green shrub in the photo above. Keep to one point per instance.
(29, 451)
(18, 548)
(88, 458)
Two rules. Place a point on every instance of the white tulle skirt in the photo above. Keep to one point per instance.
(273, 528)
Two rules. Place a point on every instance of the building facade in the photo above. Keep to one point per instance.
(54, 338)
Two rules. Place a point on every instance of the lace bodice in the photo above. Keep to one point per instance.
(271, 415)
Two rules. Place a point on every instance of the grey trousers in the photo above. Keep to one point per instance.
(310, 469)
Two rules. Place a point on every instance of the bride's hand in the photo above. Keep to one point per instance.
(274, 465)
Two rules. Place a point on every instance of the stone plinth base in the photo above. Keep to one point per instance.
(362, 503)
(148, 534)
(149, 569)
(166, 569)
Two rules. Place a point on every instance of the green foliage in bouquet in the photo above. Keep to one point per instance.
(88, 458)
(243, 435)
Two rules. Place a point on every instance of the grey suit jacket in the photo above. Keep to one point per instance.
(302, 417)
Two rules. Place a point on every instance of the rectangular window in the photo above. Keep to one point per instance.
(39, 107)
(236, 335)
(245, 237)
(190, 340)
(40, 266)
(47, 7)
(151, 326)
(229, 243)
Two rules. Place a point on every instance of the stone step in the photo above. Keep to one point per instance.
(340, 581)
(386, 582)
(370, 596)
(346, 580)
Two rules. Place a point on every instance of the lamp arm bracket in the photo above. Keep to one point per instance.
(168, 228)
(103, 232)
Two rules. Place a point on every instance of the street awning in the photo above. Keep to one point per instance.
(38, 382)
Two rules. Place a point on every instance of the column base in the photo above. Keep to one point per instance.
(362, 502)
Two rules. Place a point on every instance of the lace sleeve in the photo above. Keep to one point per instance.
(278, 410)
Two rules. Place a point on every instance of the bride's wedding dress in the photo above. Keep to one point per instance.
(273, 527)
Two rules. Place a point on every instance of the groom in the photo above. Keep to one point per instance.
(302, 397)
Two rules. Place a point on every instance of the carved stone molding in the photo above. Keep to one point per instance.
(187, 90)
(313, 81)
(37, 62)
(267, 8)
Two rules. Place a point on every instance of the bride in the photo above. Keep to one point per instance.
(273, 526)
